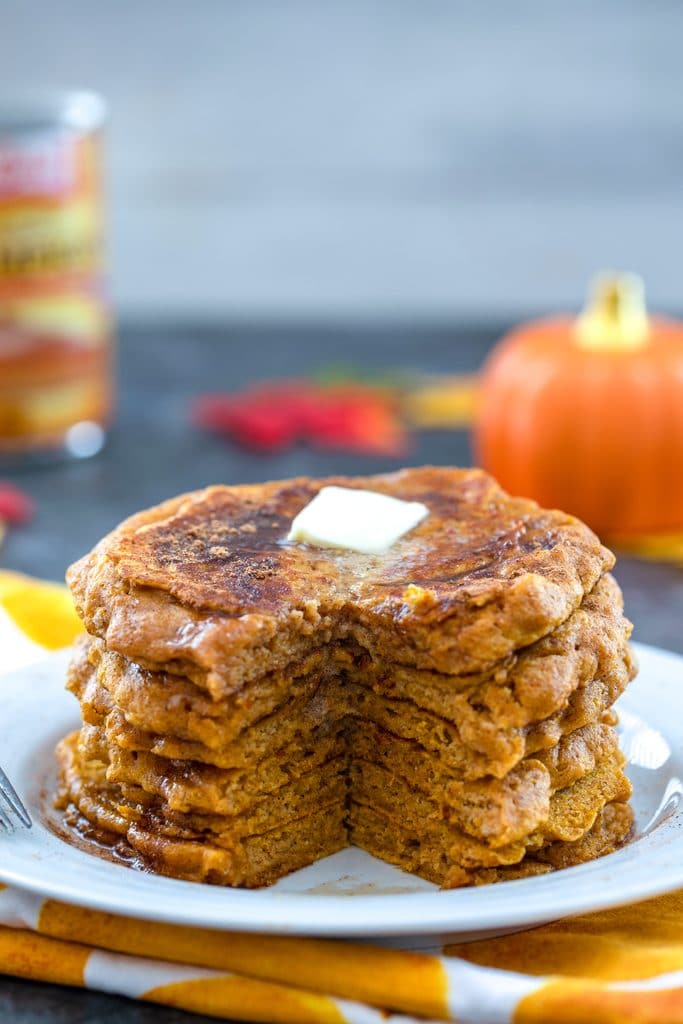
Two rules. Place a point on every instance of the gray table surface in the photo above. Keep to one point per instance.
(153, 453)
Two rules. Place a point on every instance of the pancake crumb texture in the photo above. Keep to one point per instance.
(251, 704)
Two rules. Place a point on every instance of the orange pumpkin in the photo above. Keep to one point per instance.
(586, 414)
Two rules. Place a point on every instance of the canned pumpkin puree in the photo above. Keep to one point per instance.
(55, 323)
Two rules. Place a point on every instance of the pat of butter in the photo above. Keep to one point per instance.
(365, 521)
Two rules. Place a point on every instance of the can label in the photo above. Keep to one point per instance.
(54, 318)
(44, 166)
(50, 211)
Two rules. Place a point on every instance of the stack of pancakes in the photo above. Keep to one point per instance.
(251, 704)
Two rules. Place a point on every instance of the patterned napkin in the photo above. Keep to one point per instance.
(617, 966)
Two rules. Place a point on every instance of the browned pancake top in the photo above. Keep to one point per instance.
(226, 548)
(480, 564)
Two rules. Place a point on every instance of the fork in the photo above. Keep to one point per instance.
(14, 806)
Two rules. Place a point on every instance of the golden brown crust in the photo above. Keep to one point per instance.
(210, 579)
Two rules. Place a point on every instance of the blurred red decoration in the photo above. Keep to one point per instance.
(15, 506)
(586, 414)
(272, 417)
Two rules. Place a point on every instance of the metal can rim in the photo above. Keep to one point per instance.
(77, 111)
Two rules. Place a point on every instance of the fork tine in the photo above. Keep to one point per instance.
(6, 821)
(12, 798)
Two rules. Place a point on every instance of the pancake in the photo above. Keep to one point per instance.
(250, 861)
(187, 786)
(251, 704)
(496, 811)
(483, 722)
(574, 756)
(167, 704)
(567, 816)
(207, 585)
(495, 720)
(388, 841)
(592, 642)
(332, 703)
(178, 839)
(495, 821)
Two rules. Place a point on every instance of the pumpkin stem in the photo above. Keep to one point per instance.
(614, 318)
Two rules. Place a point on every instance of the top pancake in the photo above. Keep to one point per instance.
(208, 581)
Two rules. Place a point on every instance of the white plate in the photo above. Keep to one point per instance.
(351, 893)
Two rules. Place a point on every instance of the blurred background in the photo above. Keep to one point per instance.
(308, 195)
(403, 159)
